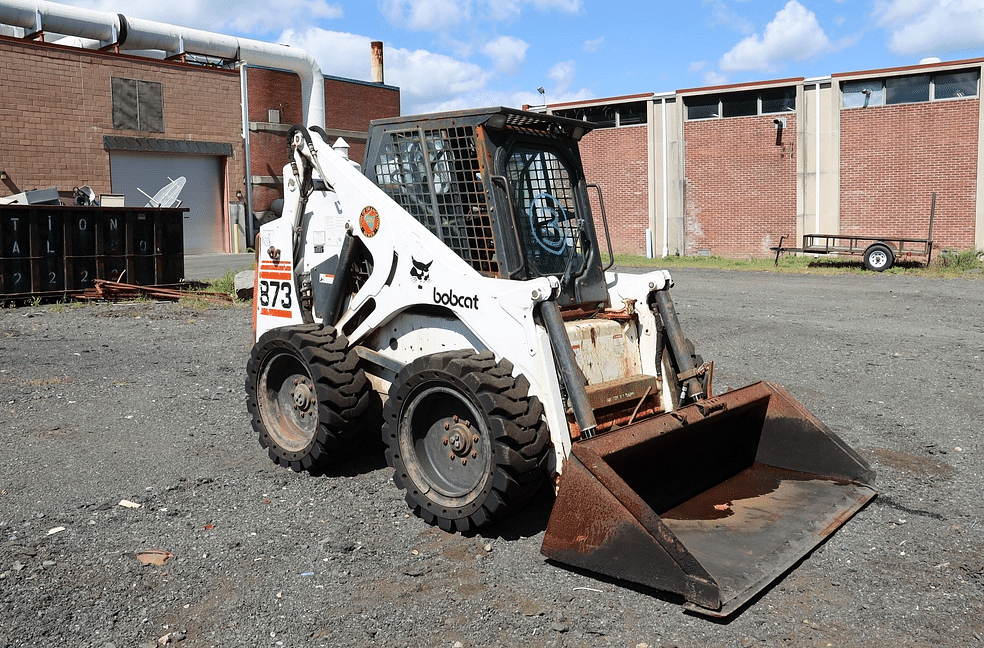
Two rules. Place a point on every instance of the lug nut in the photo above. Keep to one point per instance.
(467, 424)
(474, 454)
(445, 440)
(451, 456)
(464, 461)
(475, 439)
(455, 418)
(447, 426)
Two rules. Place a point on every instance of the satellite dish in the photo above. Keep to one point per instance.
(167, 196)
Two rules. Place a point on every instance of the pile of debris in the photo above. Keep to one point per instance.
(116, 291)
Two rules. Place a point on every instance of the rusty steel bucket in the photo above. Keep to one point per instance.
(713, 501)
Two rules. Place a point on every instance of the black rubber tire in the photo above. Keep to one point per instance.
(467, 442)
(305, 392)
(878, 257)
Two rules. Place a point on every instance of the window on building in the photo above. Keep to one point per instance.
(138, 105)
(862, 94)
(609, 116)
(778, 100)
(741, 104)
(911, 88)
(907, 89)
(953, 85)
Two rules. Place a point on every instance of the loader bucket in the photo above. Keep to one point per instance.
(713, 501)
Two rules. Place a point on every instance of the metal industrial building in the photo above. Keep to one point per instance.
(727, 170)
(124, 105)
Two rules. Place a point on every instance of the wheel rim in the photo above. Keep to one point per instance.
(288, 402)
(878, 259)
(447, 436)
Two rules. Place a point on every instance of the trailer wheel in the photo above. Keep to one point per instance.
(467, 442)
(878, 257)
(304, 392)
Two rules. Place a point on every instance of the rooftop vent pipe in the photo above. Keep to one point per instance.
(139, 34)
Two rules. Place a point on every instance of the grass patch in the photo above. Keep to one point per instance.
(226, 284)
(962, 263)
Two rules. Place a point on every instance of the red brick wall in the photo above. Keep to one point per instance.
(617, 159)
(740, 186)
(349, 105)
(56, 106)
(894, 157)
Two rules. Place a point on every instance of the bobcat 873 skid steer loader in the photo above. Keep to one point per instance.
(460, 278)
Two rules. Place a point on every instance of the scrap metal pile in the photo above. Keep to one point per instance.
(104, 290)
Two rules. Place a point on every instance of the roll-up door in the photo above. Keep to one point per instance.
(133, 171)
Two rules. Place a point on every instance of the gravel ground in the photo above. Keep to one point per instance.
(106, 404)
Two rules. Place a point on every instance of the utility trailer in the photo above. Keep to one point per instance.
(878, 252)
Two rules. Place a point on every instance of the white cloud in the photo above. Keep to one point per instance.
(563, 74)
(930, 26)
(696, 66)
(793, 35)
(721, 14)
(427, 15)
(508, 53)
(424, 78)
(441, 15)
(242, 17)
(593, 45)
(712, 78)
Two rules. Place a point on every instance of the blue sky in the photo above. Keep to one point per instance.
(447, 54)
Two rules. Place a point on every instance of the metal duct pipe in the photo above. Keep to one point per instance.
(140, 34)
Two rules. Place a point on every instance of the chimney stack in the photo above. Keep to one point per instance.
(377, 61)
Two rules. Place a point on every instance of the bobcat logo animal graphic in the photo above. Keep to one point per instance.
(420, 272)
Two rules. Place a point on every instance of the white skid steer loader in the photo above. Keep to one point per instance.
(460, 278)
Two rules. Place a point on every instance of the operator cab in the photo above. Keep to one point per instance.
(503, 188)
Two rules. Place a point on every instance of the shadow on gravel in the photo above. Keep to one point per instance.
(848, 264)
(526, 523)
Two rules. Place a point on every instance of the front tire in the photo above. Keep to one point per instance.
(305, 392)
(467, 442)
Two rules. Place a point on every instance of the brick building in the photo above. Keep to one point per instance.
(728, 170)
(127, 124)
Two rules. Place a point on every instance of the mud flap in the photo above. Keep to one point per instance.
(713, 501)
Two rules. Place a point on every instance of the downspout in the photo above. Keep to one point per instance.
(244, 89)
(817, 179)
(666, 188)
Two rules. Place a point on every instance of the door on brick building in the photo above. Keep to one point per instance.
(134, 171)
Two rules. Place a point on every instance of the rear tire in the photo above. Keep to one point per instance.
(467, 442)
(878, 257)
(305, 392)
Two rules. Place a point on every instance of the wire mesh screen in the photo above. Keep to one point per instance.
(546, 211)
(435, 176)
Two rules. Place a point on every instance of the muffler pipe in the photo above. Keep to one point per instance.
(678, 345)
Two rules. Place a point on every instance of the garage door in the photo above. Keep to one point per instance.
(201, 195)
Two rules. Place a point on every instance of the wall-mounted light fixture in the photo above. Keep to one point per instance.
(239, 196)
(543, 95)
(3, 176)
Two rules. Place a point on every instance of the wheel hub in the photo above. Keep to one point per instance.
(302, 393)
(461, 439)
